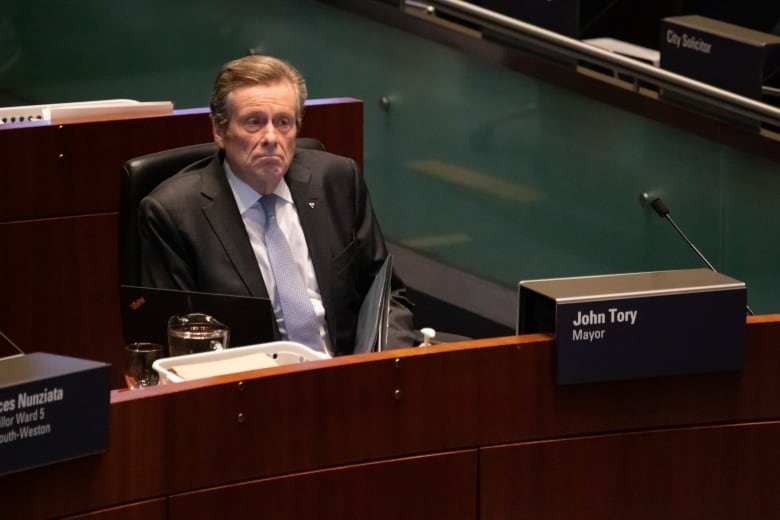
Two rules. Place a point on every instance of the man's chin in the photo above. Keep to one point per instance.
(270, 166)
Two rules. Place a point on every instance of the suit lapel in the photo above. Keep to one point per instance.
(310, 203)
(312, 207)
(222, 214)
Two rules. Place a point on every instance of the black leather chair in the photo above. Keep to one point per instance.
(140, 176)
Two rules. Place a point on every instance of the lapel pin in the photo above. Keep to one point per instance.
(312, 203)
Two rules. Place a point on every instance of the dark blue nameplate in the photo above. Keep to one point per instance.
(718, 53)
(638, 325)
(52, 408)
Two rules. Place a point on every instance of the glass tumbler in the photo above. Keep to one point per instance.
(141, 357)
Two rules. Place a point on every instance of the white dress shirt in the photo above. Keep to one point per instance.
(287, 218)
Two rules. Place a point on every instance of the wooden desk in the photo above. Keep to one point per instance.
(467, 430)
(59, 200)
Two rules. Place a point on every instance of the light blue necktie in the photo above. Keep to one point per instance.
(297, 311)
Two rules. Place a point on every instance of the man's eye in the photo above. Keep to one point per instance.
(283, 123)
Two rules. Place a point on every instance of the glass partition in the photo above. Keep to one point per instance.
(470, 163)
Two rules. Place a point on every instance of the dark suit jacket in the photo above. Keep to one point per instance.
(193, 238)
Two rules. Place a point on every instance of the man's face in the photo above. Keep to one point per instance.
(259, 139)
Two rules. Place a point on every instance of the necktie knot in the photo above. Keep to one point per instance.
(268, 203)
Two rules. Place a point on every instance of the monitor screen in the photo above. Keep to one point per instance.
(146, 310)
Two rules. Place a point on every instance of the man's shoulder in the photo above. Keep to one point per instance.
(188, 181)
(331, 169)
(313, 158)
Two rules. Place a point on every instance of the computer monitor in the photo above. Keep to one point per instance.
(146, 310)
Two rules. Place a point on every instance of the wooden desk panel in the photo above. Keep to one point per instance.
(33, 180)
(713, 472)
(425, 488)
(75, 169)
(421, 413)
(59, 286)
(148, 510)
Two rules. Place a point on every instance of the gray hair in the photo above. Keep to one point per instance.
(253, 70)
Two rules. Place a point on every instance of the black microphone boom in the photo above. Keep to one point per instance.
(663, 211)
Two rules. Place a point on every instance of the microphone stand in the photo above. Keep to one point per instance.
(663, 211)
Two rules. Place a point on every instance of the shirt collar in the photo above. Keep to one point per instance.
(246, 196)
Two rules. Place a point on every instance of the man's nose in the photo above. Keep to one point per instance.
(269, 134)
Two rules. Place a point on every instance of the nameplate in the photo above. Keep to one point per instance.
(638, 325)
(52, 408)
(720, 54)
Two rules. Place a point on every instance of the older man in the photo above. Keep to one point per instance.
(216, 226)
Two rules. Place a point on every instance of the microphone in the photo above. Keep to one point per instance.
(660, 207)
(14, 345)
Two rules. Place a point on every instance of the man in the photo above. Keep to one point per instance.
(205, 229)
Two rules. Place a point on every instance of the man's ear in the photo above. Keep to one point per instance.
(219, 133)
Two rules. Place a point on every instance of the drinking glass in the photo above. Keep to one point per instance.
(194, 333)
(141, 356)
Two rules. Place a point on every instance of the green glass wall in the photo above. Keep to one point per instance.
(477, 166)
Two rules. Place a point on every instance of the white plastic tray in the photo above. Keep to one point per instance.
(238, 359)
